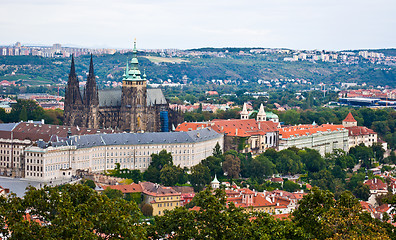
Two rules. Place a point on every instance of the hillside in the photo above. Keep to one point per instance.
(199, 68)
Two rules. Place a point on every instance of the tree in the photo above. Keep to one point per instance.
(89, 183)
(312, 209)
(214, 219)
(232, 166)
(214, 165)
(170, 175)
(290, 186)
(147, 210)
(363, 153)
(345, 220)
(312, 160)
(71, 212)
(23, 115)
(260, 167)
(200, 177)
(217, 151)
(113, 193)
(361, 191)
(378, 152)
(158, 161)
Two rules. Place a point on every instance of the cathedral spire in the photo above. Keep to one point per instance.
(90, 92)
(91, 69)
(72, 68)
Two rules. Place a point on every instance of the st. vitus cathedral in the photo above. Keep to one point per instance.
(133, 108)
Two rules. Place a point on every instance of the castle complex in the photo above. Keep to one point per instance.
(134, 108)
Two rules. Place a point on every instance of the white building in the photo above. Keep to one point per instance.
(324, 138)
(101, 152)
(359, 134)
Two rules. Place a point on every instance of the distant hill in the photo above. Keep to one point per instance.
(200, 69)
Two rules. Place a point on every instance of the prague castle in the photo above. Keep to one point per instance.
(134, 108)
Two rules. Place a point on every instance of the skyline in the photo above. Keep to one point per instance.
(302, 24)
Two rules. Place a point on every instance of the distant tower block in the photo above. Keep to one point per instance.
(244, 113)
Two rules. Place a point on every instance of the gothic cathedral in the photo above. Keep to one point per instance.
(134, 108)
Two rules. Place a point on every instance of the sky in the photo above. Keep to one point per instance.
(185, 24)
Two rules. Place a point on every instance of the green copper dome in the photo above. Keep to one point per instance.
(132, 72)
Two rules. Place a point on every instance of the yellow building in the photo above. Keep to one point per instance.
(160, 198)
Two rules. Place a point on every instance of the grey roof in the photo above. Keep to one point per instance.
(110, 97)
(155, 95)
(8, 126)
(86, 141)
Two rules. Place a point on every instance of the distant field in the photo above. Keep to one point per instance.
(26, 79)
(162, 59)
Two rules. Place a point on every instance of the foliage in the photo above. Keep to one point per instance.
(113, 193)
(214, 219)
(158, 161)
(323, 218)
(170, 175)
(200, 177)
(147, 210)
(71, 212)
(231, 166)
(88, 182)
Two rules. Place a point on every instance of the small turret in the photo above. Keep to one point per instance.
(261, 116)
(244, 113)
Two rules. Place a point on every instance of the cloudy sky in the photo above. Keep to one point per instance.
(296, 24)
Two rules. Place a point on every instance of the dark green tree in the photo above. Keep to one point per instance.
(70, 212)
(200, 177)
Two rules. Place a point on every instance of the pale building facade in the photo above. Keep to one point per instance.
(359, 134)
(324, 138)
(101, 152)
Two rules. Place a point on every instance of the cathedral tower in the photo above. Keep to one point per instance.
(134, 97)
(74, 108)
(91, 99)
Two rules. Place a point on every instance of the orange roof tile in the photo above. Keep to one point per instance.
(359, 131)
(349, 118)
(132, 188)
(302, 130)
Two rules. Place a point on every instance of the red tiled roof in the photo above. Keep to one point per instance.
(349, 118)
(243, 127)
(233, 127)
(154, 189)
(359, 131)
(191, 126)
(302, 130)
(383, 208)
(132, 188)
(376, 184)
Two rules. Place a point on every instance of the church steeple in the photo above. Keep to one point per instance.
(72, 94)
(261, 116)
(72, 68)
(91, 69)
(132, 73)
(91, 92)
(244, 113)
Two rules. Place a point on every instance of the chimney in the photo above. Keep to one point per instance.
(236, 131)
(42, 121)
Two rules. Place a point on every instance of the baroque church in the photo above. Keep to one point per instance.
(133, 108)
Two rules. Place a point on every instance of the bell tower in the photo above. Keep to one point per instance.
(134, 97)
